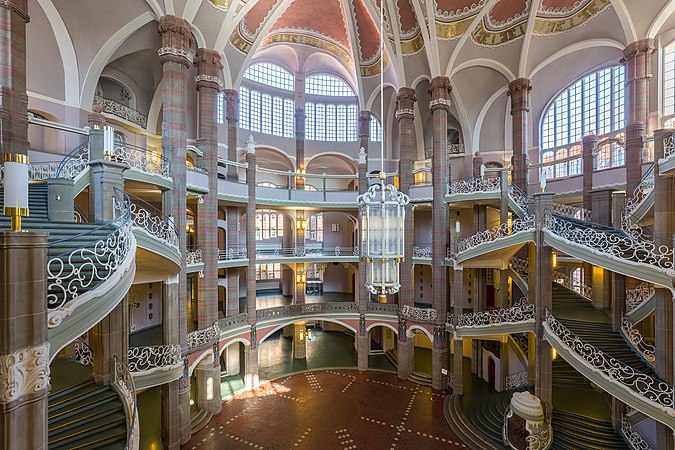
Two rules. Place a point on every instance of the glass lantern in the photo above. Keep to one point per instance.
(382, 210)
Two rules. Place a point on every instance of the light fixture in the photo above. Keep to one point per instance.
(108, 141)
(554, 354)
(458, 227)
(309, 334)
(554, 259)
(300, 223)
(482, 170)
(300, 278)
(16, 188)
(301, 335)
(200, 199)
(542, 179)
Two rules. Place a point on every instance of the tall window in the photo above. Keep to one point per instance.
(270, 75)
(669, 80)
(314, 230)
(268, 225)
(375, 129)
(594, 104)
(266, 113)
(220, 108)
(268, 271)
(610, 155)
(327, 85)
(330, 122)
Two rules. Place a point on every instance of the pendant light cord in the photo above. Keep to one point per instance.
(382, 84)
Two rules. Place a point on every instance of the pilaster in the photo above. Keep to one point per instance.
(232, 242)
(637, 59)
(588, 144)
(250, 234)
(232, 117)
(363, 349)
(519, 92)
(299, 340)
(363, 294)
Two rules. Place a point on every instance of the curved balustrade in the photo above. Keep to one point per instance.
(621, 245)
(301, 252)
(230, 253)
(519, 313)
(194, 256)
(519, 197)
(74, 163)
(83, 353)
(519, 266)
(155, 222)
(541, 441)
(156, 357)
(572, 211)
(633, 335)
(669, 145)
(141, 159)
(70, 274)
(565, 280)
(636, 198)
(122, 111)
(517, 380)
(474, 185)
(387, 308)
(124, 385)
(654, 392)
(422, 252)
(636, 297)
(307, 309)
(418, 314)
(497, 232)
(203, 337)
(631, 436)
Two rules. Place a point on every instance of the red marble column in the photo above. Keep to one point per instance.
(637, 58)
(13, 98)
(588, 144)
(439, 91)
(232, 117)
(634, 137)
(208, 86)
(519, 91)
(405, 113)
(300, 145)
(364, 136)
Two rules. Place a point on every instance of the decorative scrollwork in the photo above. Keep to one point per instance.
(474, 185)
(418, 314)
(518, 313)
(650, 388)
(621, 245)
(24, 372)
(517, 380)
(631, 436)
(391, 308)
(143, 359)
(669, 145)
(306, 309)
(521, 341)
(124, 384)
(202, 337)
(572, 211)
(519, 197)
(83, 353)
(541, 441)
(232, 253)
(72, 273)
(154, 223)
(422, 252)
(638, 296)
(633, 335)
(194, 256)
(636, 198)
(121, 111)
(496, 232)
(520, 266)
(142, 159)
(73, 164)
(231, 321)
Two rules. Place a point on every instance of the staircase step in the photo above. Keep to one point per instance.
(111, 438)
(88, 428)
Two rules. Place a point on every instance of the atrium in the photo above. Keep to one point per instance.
(193, 254)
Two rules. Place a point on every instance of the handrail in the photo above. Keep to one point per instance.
(519, 312)
(637, 296)
(164, 229)
(637, 197)
(84, 218)
(137, 158)
(125, 385)
(32, 119)
(148, 358)
(633, 335)
(635, 441)
(83, 353)
(498, 231)
(68, 157)
(474, 184)
(203, 337)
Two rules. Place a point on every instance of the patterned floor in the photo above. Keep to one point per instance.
(331, 409)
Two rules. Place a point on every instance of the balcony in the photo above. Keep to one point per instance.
(122, 111)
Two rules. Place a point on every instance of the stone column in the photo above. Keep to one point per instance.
(61, 200)
(588, 144)
(13, 98)
(637, 59)
(176, 58)
(251, 378)
(363, 295)
(300, 288)
(634, 137)
(543, 300)
(232, 117)
(364, 130)
(439, 90)
(299, 343)
(458, 351)
(362, 345)
(208, 86)
(601, 210)
(405, 351)
(504, 218)
(299, 146)
(208, 385)
(664, 226)
(250, 234)
(233, 218)
(519, 91)
(405, 114)
(618, 280)
(24, 349)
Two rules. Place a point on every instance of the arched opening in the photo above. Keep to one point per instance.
(422, 360)
(232, 368)
(382, 349)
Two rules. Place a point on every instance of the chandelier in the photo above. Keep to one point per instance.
(382, 210)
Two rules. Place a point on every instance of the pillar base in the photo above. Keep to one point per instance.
(440, 359)
(406, 358)
(251, 379)
(363, 349)
(208, 387)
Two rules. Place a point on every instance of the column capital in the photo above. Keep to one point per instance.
(208, 69)
(177, 41)
(96, 118)
(406, 103)
(519, 91)
(439, 90)
(364, 124)
(642, 46)
(231, 105)
(18, 6)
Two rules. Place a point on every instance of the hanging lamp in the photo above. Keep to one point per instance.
(382, 209)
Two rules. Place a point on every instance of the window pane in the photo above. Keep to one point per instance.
(327, 85)
(375, 129)
(270, 75)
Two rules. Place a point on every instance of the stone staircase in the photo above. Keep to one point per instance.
(575, 431)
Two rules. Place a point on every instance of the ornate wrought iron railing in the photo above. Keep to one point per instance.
(389, 308)
(203, 337)
(122, 111)
(141, 159)
(238, 252)
(74, 163)
(193, 256)
(572, 211)
(621, 245)
(637, 296)
(635, 441)
(73, 272)
(633, 335)
(124, 384)
(636, 198)
(422, 251)
(520, 266)
(517, 380)
(151, 358)
(651, 389)
(520, 312)
(496, 232)
(473, 185)
(519, 197)
(83, 353)
(669, 145)
(307, 309)
(148, 218)
(418, 314)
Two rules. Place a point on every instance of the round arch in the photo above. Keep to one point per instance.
(410, 334)
(304, 318)
(382, 324)
(202, 357)
(244, 341)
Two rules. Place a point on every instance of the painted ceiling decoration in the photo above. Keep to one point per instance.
(453, 17)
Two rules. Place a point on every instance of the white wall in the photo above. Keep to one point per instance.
(145, 306)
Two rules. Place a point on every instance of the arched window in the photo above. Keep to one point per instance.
(270, 75)
(268, 225)
(327, 85)
(330, 122)
(266, 113)
(314, 230)
(375, 129)
(594, 104)
(267, 184)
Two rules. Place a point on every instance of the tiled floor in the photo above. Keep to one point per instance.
(331, 409)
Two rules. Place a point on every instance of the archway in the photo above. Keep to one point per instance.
(422, 360)
(382, 350)
(232, 368)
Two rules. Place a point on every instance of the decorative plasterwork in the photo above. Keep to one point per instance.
(209, 79)
(24, 372)
(309, 39)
